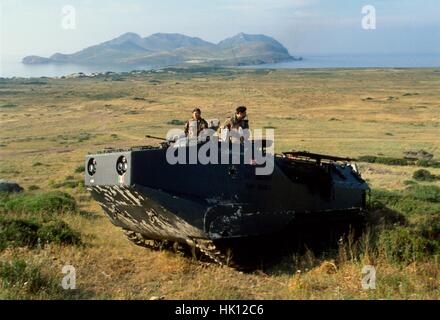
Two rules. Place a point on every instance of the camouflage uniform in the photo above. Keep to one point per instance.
(234, 123)
(201, 124)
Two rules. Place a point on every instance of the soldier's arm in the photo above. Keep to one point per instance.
(226, 124)
(186, 128)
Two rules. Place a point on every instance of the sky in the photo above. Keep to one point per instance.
(317, 27)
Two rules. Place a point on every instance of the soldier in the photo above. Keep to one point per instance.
(201, 123)
(238, 120)
(237, 123)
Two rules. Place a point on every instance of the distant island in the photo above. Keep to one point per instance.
(166, 49)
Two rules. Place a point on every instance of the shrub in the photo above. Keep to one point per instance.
(429, 227)
(176, 122)
(58, 231)
(50, 202)
(385, 160)
(423, 175)
(399, 161)
(33, 187)
(392, 161)
(428, 163)
(369, 159)
(18, 233)
(8, 105)
(29, 233)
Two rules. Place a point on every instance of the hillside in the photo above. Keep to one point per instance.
(164, 49)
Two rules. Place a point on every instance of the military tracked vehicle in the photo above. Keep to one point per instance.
(209, 208)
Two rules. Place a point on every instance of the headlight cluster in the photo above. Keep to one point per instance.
(91, 166)
(121, 165)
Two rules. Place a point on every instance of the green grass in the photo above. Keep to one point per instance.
(19, 275)
(413, 233)
(404, 244)
(414, 200)
(428, 193)
(21, 279)
(48, 203)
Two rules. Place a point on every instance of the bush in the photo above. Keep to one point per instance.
(33, 187)
(8, 105)
(424, 175)
(393, 161)
(399, 161)
(428, 163)
(429, 227)
(80, 169)
(58, 232)
(29, 233)
(50, 202)
(176, 122)
(18, 233)
(385, 160)
(369, 159)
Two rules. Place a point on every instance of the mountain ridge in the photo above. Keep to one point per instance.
(164, 49)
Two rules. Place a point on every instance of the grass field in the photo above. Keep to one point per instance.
(49, 125)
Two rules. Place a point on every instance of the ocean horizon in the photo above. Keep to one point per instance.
(11, 66)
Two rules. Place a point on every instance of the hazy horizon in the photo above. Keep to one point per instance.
(302, 26)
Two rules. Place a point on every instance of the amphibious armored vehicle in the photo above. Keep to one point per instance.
(210, 207)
